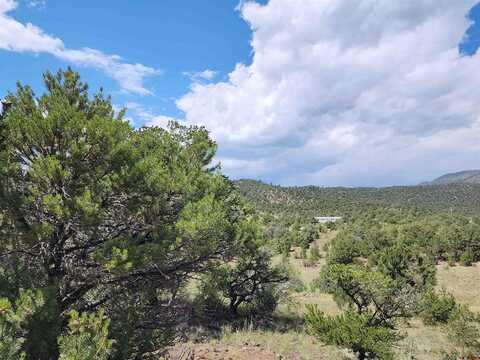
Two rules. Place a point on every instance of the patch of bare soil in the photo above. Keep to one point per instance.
(219, 352)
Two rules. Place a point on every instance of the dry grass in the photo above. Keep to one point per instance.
(429, 341)
(463, 282)
(288, 345)
(426, 342)
(307, 275)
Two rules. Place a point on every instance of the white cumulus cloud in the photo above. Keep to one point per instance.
(146, 117)
(201, 75)
(18, 37)
(343, 92)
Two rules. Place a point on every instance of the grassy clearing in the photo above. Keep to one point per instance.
(288, 345)
(426, 342)
(463, 282)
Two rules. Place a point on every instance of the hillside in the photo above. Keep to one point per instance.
(314, 200)
(461, 177)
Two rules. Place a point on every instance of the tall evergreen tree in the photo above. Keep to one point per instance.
(96, 213)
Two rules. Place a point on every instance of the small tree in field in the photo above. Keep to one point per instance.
(353, 330)
(306, 236)
(408, 265)
(373, 304)
(436, 307)
(463, 329)
(250, 276)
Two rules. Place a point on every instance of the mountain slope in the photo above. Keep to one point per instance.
(320, 201)
(461, 177)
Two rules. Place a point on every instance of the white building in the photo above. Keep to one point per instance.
(326, 219)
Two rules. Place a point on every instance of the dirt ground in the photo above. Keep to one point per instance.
(220, 352)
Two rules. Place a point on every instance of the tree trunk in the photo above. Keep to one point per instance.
(234, 308)
(47, 325)
(362, 355)
(44, 329)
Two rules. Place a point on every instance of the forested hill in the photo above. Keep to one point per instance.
(316, 201)
(464, 177)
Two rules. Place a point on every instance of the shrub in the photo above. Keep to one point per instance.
(209, 303)
(86, 338)
(374, 302)
(467, 257)
(104, 214)
(451, 260)
(283, 242)
(436, 307)
(463, 330)
(265, 302)
(451, 355)
(250, 276)
(353, 331)
(407, 264)
(343, 249)
(314, 253)
(296, 285)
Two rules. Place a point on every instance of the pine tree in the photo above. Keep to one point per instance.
(96, 213)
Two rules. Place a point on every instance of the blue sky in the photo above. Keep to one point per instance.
(470, 44)
(295, 91)
(173, 36)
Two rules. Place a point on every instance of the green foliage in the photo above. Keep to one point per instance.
(407, 264)
(375, 294)
(436, 307)
(13, 319)
(373, 218)
(96, 213)
(314, 255)
(44, 327)
(382, 259)
(295, 284)
(463, 329)
(362, 288)
(467, 258)
(86, 337)
(345, 249)
(284, 241)
(209, 303)
(250, 277)
(373, 304)
(307, 236)
(309, 201)
(418, 242)
(354, 331)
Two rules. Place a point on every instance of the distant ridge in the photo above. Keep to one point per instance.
(314, 201)
(461, 177)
